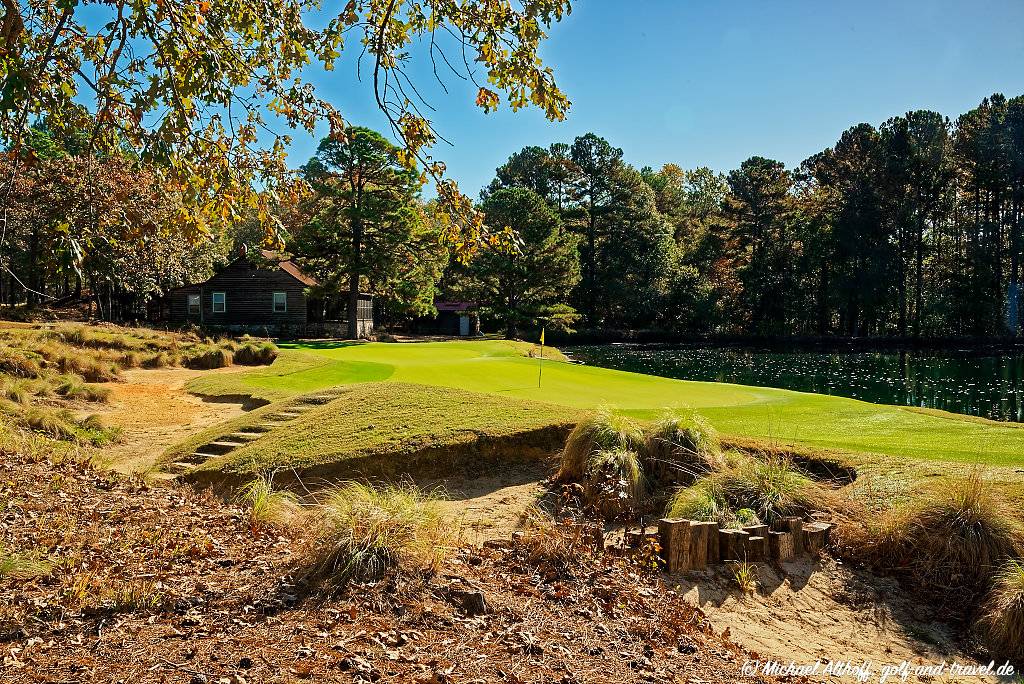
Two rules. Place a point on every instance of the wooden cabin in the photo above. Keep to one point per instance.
(270, 297)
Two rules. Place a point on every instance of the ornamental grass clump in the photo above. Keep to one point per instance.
(680, 450)
(254, 354)
(360, 532)
(614, 481)
(205, 358)
(1003, 621)
(704, 501)
(954, 537)
(603, 431)
(773, 487)
(266, 505)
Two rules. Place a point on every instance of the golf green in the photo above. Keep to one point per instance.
(500, 368)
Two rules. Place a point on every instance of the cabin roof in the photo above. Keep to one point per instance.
(289, 267)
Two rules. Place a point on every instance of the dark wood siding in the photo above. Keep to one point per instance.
(248, 298)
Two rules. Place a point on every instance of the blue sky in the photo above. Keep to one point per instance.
(710, 82)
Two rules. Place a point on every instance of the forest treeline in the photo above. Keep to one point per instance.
(911, 228)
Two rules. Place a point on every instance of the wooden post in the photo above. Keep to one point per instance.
(757, 548)
(816, 536)
(732, 545)
(756, 530)
(794, 525)
(780, 546)
(714, 555)
(700, 534)
(675, 543)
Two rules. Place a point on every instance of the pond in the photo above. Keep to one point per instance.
(991, 386)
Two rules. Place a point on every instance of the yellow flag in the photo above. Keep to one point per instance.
(542, 335)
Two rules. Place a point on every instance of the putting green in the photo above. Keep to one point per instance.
(499, 368)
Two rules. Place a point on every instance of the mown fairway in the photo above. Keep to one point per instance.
(499, 368)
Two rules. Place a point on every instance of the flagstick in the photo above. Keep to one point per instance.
(540, 365)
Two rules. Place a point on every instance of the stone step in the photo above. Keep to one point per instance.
(178, 467)
(200, 457)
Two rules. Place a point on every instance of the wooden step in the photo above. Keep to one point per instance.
(221, 446)
(244, 437)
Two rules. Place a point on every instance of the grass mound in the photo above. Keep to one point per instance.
(361, 532)
(954, 537)
(208, 358)
(252, 354)
(1003, 623)
(380, 429)
(773, 487)
(602, 433)
(704, 501)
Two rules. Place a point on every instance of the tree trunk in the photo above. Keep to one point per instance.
(353, 276)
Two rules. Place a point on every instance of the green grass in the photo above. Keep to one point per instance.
(500, 369)
(377, 428)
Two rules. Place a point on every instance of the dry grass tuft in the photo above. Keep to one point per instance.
(604, 431)
(253, 354)
(267, 506)
(953, 537)
(208, 357)
(681, 450)
(773, 487)
(361, 532)
(1003, 622)
(614, 481)
(22, 565)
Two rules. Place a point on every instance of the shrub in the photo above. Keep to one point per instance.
(207, 358)
(89, 367)
(1003, 623)
(266, 506)
(361, 532)
(252, 354)
(678, 449)
(604, 431)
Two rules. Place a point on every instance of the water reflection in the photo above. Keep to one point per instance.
(960, 382)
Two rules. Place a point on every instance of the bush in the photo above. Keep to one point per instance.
(89, 367)
(130, 360)
(604, 431)
(361, 532)
(252, 354)
(1003, 623)
(208, 358)
(680, 450)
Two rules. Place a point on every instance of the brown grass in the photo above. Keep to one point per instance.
(1003, 621)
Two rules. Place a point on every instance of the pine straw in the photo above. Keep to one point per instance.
(225, 607)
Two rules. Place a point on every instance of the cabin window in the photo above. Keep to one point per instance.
(219, 302)
(193, 305)
(280, 302)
